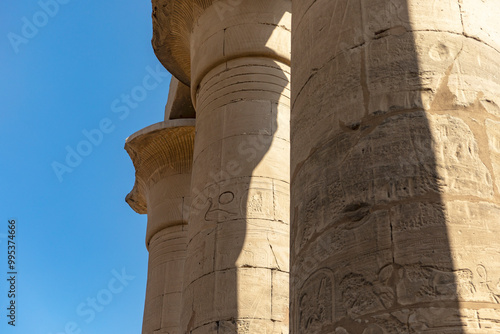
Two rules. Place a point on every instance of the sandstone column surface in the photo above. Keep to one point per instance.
(163, 155)
(235, 56)
(395, 167)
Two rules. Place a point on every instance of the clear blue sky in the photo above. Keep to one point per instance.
(61, 75)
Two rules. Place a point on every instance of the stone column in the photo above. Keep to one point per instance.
(395, 166)
(235, 56)
(163, 155)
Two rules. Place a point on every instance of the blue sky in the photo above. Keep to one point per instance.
(89, 65)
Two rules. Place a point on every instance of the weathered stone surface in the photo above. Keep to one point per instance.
(457, 158)
(162, 155)
(394, 173)
(480, 20)
(240, 187)
(493, 133)
(167, 252)
(235, 56)
(394, 191)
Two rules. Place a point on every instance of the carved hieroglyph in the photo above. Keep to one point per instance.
(395, 193)
(163, 156)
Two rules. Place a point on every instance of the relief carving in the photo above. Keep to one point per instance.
(360, 296)
(255, 203)
(405, 285)
(215, 212)
(308, 229)
(233, 326)
(492, 288)
(376, 297)
(315, 302)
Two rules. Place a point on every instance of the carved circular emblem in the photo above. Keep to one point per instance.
(226, 197)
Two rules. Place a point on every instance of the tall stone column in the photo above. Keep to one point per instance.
(235, 57)
(163, 155)
(395, 194)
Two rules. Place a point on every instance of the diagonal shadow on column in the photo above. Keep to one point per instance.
(393, 194)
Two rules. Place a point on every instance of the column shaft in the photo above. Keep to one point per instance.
(238, 252)
(167, 253)
(162, 155)
(235, 56)
(395, 196)
(237, 263)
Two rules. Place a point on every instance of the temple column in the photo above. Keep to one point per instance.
(235, 56)
(395, 165)
(162, 155)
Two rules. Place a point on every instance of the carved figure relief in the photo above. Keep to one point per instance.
(492, 287)
(308, 229)
(255, 202)
(315, 303)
